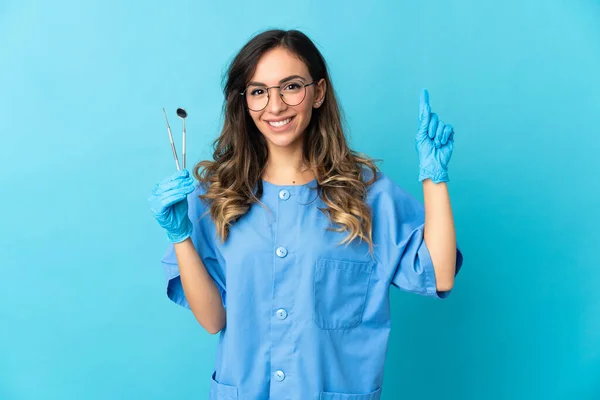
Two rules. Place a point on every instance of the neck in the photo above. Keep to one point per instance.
(286, 166)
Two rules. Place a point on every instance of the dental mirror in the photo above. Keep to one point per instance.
(181, 113)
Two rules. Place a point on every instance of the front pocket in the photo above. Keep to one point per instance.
(340, 292)
(376, 395)
(219, 391)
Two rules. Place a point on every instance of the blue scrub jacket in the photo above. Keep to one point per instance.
(307, 318)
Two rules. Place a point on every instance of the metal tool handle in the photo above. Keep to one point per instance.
(183, 148)
(172, 143)
(175, 156)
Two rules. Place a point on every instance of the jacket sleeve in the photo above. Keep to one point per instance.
(204, 240)
(398, 227)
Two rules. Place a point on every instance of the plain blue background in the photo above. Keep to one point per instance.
(83, 312)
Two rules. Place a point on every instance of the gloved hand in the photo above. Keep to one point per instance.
(168, 203)
(434, 143)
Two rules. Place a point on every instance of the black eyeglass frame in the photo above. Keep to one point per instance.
(280, 94)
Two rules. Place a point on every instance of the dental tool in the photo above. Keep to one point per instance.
(181, 113)
(173, 144)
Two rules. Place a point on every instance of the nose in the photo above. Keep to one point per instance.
(276, 104)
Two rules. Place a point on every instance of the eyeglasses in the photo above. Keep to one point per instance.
(291, 92)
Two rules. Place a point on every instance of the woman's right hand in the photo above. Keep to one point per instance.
(168, 203)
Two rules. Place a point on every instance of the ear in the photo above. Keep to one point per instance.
(320, 90)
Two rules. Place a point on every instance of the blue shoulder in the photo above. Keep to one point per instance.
(385, 194)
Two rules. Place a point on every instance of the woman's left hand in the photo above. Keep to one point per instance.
(434, 143)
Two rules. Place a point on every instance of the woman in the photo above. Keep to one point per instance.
(290, 241)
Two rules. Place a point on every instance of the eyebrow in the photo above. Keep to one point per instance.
(254, 83)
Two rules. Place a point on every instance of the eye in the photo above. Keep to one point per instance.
(257, 91)
(292, 86)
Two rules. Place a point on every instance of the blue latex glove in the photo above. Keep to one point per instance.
(168, 203)
(434, 143)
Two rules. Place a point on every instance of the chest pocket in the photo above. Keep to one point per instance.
(340, 292)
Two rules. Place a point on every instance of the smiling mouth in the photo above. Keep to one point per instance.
(279, 124)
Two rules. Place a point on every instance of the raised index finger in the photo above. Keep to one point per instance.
(424, 107)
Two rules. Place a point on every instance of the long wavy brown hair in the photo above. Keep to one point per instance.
(233, 180)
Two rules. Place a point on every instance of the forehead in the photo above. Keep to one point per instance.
(277, 64)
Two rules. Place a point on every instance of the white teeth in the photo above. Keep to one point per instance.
(279, 124)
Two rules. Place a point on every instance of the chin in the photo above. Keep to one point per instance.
(284, 139)
(281, 141)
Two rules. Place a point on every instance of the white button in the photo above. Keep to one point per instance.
(279, 376)
(281, 313)
(284, 194)
(281, 252)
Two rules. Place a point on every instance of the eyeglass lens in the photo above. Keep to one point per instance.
(292, 93)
